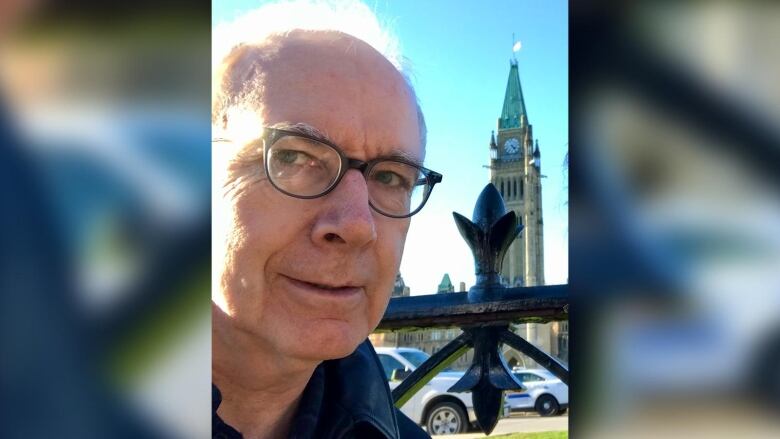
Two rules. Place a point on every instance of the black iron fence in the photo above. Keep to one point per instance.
(484, 314)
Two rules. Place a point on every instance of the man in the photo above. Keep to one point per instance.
(319, 171)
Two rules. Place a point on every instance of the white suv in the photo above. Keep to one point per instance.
(440, 411)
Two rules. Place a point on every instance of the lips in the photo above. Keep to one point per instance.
(331, 289)
(343, 289)
(316, 291)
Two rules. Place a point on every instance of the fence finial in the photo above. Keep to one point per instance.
(489, 234)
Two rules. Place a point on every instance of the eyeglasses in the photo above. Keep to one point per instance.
(303, 166)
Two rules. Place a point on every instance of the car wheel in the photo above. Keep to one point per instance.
(547, 405)
(446, 418)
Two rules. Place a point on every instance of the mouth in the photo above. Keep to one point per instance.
(334, 290)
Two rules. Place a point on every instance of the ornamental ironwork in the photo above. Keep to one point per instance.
(484, 314)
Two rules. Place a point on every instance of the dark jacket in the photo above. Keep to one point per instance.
(345, 398)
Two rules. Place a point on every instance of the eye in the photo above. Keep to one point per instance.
(390, 178)
(394, 176)
(291, 157)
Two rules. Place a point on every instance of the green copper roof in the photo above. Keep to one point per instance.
(446, 285)
(514, 105)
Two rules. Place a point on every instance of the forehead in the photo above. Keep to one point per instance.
(341, 86)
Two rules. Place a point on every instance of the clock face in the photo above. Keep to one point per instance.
(512, 146)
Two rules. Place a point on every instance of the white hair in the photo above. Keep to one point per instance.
(347, 16)
(351, 17)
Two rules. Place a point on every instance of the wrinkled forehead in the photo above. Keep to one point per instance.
(333, 82)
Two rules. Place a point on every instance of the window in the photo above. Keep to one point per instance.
(389, 364)
(414, 357)
(526, 377)
(531, 377)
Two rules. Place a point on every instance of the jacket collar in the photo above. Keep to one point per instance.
(340, 395)
(357, 388)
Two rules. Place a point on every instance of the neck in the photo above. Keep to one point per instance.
(260, 387)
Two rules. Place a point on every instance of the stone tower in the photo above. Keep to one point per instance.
(515, 170)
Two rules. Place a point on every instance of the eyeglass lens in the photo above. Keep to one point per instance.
(307, 168)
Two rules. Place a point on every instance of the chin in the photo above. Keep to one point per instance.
(333, 340)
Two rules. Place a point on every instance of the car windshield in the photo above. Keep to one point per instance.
(418, 357)
(415, 357)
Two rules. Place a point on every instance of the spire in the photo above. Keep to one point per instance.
(514, 105)
(537, 155)
(446, 285)
(493, 147)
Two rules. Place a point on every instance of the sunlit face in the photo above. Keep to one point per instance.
(311, 278)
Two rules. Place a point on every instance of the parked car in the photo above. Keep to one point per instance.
(542, 392)
(435, 408)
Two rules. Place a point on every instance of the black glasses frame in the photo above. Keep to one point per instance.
(272, 135)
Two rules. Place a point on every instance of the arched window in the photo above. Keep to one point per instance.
(514, 187)
(502, 188)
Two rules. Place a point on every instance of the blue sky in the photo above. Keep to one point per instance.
(459, 53)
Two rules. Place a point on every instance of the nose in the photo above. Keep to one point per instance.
(346, 217)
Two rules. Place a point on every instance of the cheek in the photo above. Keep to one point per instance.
(240, 262)
(257, 232)
(389, 251)
(393, 246)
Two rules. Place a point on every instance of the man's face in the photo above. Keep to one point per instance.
(311, 278)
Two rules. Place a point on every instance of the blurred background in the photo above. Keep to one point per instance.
(105, 128)
(675, 241)
(675, 219)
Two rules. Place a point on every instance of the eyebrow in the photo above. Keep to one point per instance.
(403, 156)
(302, 128)
(312, 131)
